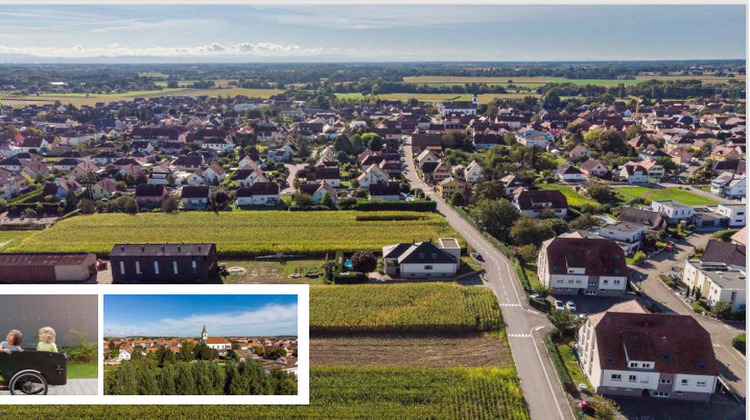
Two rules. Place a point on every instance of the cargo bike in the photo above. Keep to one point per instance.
(32, 372)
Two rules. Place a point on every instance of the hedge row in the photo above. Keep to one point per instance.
(426, 206)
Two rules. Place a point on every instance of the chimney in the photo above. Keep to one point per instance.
(143, 248)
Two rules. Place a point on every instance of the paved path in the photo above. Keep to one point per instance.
(73, 387)
(732, 363)
(293, 169)
(525, 327)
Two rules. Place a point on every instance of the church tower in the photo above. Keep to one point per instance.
(204, 334)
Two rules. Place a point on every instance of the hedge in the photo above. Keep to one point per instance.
(540, 305)
(426, 206)
(351, 277)
(739, 343)
(669, 282)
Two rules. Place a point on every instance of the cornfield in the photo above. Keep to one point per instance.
(410, 307)
(242, 233)
(351, 392)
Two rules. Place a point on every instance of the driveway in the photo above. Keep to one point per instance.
(293, 169)
(732, 364)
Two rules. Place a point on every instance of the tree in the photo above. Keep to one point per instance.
(186, 353)
(551, 100)
(457, 199)
(528, 253)
(681, 227)
(148, 383)
(364, 261)
(166, 380)
(565, 323)
(354, 183)
(582, 222)
(184, 382)
(527, 230)
(639, 257)
(668, 164)
(373, 141)
(130, 206)
(494, 216)
(171, 204)
(599, 192)
(342, 144)
(71, 203)
(220, 199)
(125, 381)
(327, 201)
(302, 200)
(721, 309)
(607, 409)
(87, 206)
(164, 356)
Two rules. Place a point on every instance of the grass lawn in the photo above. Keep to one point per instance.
(11, 238)
(275, 272)
(574, 198)
(567, 352)
(531, 274)
(83, 370)
(671, 193)
(241, 234)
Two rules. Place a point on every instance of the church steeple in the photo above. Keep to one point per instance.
(204, 333)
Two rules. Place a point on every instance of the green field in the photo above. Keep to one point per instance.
(541, 80)
(348, 393)
(438, 97)
(409, 307)
(10, 238)
(243, 233)
(574, 198)
(671, 193)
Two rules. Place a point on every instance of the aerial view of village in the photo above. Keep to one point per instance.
(502, 212)
(156, 353)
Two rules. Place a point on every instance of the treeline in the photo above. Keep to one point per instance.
(652, 89)
(198, 378)
(378, 86)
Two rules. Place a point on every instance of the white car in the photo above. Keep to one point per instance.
(559, 305)
(571, 306)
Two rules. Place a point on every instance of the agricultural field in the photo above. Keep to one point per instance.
(574, 198)
(268, 272)
(541, 80)
(418, 308)
(671, 193)
(79, 99)
(432, 351)
(10, 238)
(438, 97)
(352, 392)
(242, 234)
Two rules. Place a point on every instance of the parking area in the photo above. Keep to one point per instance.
(721, 406)
(593, 304)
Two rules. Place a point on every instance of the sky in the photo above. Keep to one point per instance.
(185, 315)
(377, 32)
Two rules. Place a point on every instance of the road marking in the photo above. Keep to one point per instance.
(510, 304)
(520, 335)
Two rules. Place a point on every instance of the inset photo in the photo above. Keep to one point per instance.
(49, 345)
(196, 344)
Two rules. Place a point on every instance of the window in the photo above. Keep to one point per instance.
(195, 267)
(702, 366)
(122, 267)
(665, 381)
(701, 383)
(665, 357)
(616, 377)
(174, 266)
(633, 364)
(617, 281)
(156, 267)
(605, 281)
(138, 267)
(632, 378)
(645, 365)
(661, 394)
(684, 382)
(428, 267)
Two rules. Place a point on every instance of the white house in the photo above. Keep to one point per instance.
(717, 282)
(216, 343)
(735, 213)
(634, 173)
(574, 265)
(262, 193)
(473, 172)
(532, 138)
(569, 173)
(640, 354)
(729, 184)
(458, 107)
(627, 235)
(422, 259)
(373, 175)
(672, 211)
(426, 156)
(214, 173)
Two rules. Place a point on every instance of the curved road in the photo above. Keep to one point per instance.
(525, 327)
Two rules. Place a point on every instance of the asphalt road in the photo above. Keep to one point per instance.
(525, 327)
(732, 364)
(293, 169)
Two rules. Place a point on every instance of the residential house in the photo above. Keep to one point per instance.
(195, 197)
(248, 177)
(593, 167)
(434, 172)
(373, 175)
(261, 193)
(390, 191)
(578, 266)
(639, 354)
(187, 163)
(426, 156)
(532, 138)
(579, 152)
(652, 220)
(422, 259)
(653, 168)
(450, 185)
(672, 211)
(214, 173)
(730, 185)
(473, 172)
(569, 173)
(634, 173)
(534, 202)
(318, 191)
(458, 107)
(736, 214)
(148, 195)
(103, 189)
(627, 235)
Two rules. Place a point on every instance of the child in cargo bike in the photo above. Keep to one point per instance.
(47, 340)
(12, 342)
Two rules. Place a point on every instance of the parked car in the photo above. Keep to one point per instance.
(571, 306)
(674, 277)
(559, 305)
(477, 256)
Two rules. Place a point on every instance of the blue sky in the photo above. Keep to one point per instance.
(377, 33)
(185, 315)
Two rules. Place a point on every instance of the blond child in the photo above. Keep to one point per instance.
(47, 340)
(12, 342)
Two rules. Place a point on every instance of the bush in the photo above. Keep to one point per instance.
(396, 205)
(724, 235)
(528, 253)
(639, 257)
(81, 351)
(669, 282)
(542, 305)
(350, 277)
(364, 261)
(698, 307)
(739, 343)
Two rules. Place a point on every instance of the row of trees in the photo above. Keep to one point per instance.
(199, 378)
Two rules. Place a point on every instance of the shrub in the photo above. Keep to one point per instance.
(542, 305)
(364, 261)
(81, 351)
(350, 277)
(426, 206)
(669, 282)
(739, 343)
(639, 257)
(527, 253)
(698, 307)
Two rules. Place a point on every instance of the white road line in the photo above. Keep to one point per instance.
(546, 376)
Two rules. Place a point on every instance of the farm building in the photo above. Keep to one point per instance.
(46, 267)
(164, 263)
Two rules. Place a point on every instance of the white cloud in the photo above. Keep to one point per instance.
(212, 49)
(271, 319)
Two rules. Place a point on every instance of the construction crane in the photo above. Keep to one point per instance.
(637, 105)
